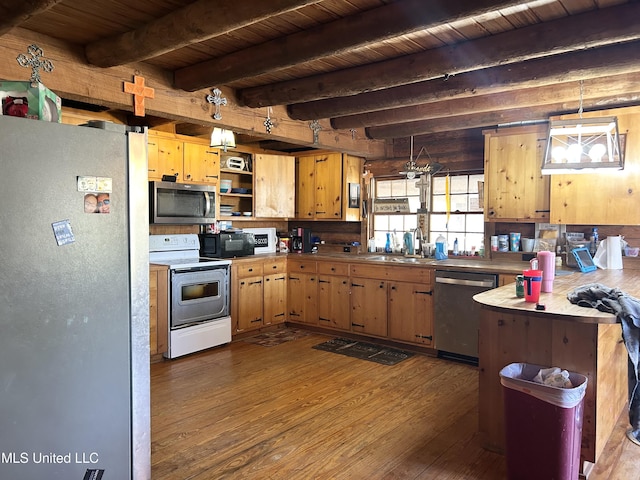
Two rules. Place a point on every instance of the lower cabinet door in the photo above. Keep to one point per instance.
(333, 302)
(411, 312)
(369, 306)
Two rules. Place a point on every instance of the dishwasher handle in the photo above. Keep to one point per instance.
(467, 283)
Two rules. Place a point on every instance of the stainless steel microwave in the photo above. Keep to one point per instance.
(181, 203)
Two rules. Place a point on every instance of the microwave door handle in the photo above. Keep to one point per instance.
(207, 204)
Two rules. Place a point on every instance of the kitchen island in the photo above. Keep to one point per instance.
(582, 340)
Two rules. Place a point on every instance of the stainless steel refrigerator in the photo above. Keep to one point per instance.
(74, 308)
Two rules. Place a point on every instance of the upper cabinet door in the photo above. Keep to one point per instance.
(165, 158)
(328, 186)
(305, 187)
(201, 163)
(515, 190)
(606, 197)
(274, 180)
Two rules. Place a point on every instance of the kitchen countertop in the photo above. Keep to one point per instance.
(556, 303)
(469, 264)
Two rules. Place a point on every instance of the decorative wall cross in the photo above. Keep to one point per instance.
(36, 61)
(268, 123)
(217, 99)
(140, 92)
(315, 127)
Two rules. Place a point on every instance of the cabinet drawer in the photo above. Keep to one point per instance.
(418, 274)
(249, 269)
(329, 268)
(302, 266)
(275, 266)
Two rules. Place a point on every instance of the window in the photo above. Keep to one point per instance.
(395, 224)
(466, 220)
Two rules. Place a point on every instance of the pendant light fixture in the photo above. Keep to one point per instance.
(221, 138)
(584, 145)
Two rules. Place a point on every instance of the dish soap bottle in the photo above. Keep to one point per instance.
(455, 247)
(441, 248)
(387, 246)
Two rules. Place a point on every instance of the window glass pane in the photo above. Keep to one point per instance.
(381, 222)
(412, 189)
(458, 184)
(438, 185)
(383, 189)
(474, 203)
(398, 188)
(438, 204)
(459, 203)
(414, 204)
(438, 222)
(475, 223)
(473, 182)
(396, 222)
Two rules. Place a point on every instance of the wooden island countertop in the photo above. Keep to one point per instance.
(578, 339)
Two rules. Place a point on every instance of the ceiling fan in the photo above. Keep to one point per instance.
(412, 170)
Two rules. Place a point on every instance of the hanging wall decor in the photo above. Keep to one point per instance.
(315, 127)
(268, 124)
(36, 61)
(140, 92)
(218, 100)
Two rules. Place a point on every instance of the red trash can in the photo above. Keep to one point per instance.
(543, 424)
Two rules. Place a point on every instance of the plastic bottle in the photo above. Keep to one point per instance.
(455, 247)
(387, 246)
(593, 247)
(481, 250)
(441, 248)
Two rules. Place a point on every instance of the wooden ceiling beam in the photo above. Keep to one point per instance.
(193, 23)
(538, 113)
(14, 13)
(333, 38)
(620, 86)
(587, 30)
(573, 66)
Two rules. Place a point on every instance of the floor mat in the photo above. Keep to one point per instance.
(364, 351)
(271, 339)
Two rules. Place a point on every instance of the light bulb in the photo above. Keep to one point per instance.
(411, 175)
(574, 152)
(597, 152)
(558, 154)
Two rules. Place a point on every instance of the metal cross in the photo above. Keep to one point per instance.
(316, 127)
(36, 61)
(217, 99)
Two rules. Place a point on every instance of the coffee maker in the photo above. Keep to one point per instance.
(301, 240)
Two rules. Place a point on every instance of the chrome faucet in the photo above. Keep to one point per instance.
(417, 235)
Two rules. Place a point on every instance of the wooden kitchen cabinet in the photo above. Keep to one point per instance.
(275, 292)
(246, 296)
(165, 157)
(158, 310)
(369, 306)
(190, 161)
(302, 287)
(333, 295)
(607, 197)
(515, 189)
(274, 186)
(411, 312)
(201, 163)
(328, 187)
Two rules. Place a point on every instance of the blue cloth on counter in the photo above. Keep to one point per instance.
(627, 310)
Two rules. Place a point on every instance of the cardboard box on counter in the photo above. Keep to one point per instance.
(30, 100)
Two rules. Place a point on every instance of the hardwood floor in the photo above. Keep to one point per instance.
(245, 411)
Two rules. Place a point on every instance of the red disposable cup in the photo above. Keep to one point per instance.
(532, 284)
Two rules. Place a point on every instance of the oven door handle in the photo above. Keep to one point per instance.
(207, 204)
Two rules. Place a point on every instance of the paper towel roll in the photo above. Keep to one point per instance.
(614, 253)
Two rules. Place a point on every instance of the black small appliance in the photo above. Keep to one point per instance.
(301, 240)
(226, 244)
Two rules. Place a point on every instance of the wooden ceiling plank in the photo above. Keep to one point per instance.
(522, 98)
(584, 64)
(21, 11)
(539, 113)
(587, 30)
(194, 23)
(333, 38)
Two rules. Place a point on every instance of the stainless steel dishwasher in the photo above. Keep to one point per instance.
(457, 315)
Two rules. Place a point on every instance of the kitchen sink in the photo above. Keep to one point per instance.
(394, 258)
